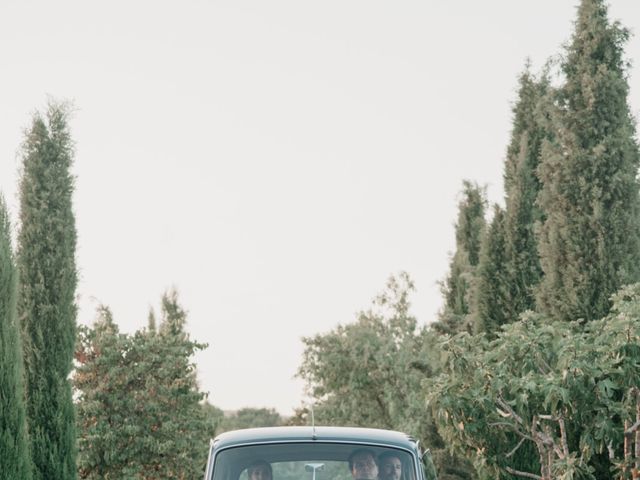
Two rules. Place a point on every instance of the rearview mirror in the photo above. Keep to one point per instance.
(313, 467)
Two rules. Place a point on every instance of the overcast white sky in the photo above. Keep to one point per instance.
(276, 161)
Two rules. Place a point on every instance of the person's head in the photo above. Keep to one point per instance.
(260, 470)
(390, 466)
(362, 464)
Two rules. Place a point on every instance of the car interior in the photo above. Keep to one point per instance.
(301, 461)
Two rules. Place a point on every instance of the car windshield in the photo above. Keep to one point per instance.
(313, 461)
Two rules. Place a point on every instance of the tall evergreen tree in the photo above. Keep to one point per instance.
(46, 295)
(521, 190)
(15, 461)
(457, 288)
(589, 243)
(492, 306)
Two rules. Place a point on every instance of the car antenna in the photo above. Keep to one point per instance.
(313, 425)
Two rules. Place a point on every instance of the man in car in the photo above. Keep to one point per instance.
(260, 470)
(363, 465)
(390, 466)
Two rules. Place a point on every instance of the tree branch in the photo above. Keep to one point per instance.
(523, 474)
(563, 437)
(633, 428)
(510, 410)
(513, 427)
(517, 447)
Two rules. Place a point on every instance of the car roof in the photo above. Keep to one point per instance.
(370, 436)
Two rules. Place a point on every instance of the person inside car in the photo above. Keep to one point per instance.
(363, 465)
(390, 466)
(260, 470)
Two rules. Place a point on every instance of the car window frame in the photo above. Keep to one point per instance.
(414, 454)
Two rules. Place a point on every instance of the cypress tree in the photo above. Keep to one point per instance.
(457, 288)
(589, 243)
(509, 268)
(15, 461)
(174, 318)
(46, 295)
(521, 190)
(491, 299)
(151, 322)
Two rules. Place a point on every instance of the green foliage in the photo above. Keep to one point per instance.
(493, 305)
(214, 418)
(459, 285)
(521, 190)
(15, 460)
(369, 373)
(558, 386)
(251, 418)
(589, 242)
(354, 370)
(139, 408)
(46, 293)
(300, 418)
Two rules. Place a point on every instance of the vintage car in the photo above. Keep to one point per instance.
(316, 453)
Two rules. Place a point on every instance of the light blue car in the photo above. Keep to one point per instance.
(317, 453)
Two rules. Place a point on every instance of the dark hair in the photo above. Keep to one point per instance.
(361, 451)
(389, 454)
(257, 463)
